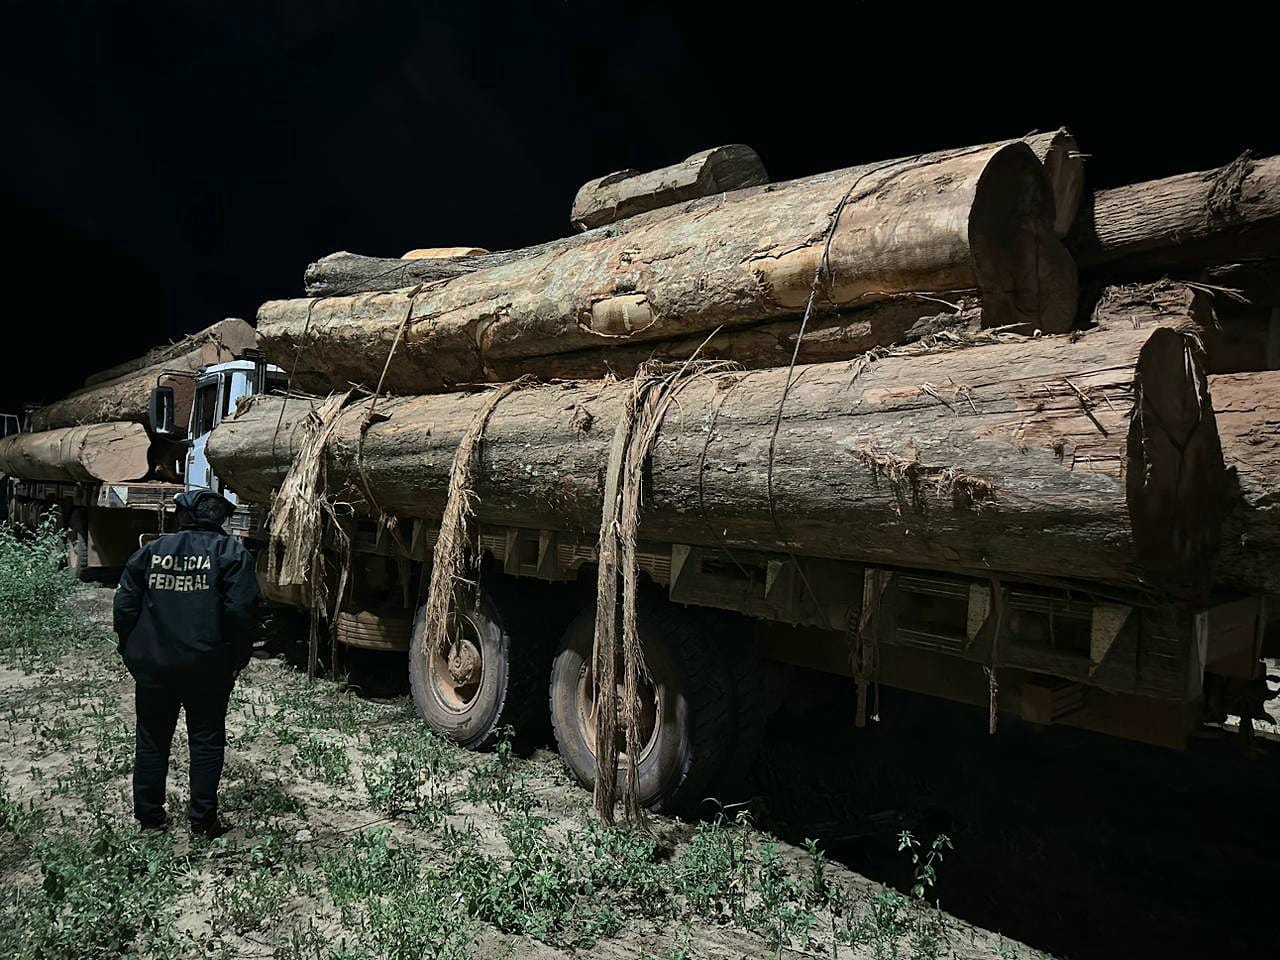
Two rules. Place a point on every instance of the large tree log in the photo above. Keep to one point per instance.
(340, 274)
(839, 336)
(226, 339)
(978, 219)
(1247, 408)
(106, 452)
(127, 395)
(1189, 221)
(625, 193)
(895, 322)
(1020, 459)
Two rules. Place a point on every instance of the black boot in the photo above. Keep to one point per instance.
(209, 829)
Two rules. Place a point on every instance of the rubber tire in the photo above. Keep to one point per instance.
(367, 630)
(695, 692)
(514, 654)
(78, 546)
(751, 703)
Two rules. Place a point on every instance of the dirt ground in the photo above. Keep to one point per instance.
(1083, 845)
(357, 834)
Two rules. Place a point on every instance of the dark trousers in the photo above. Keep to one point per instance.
(205, 703)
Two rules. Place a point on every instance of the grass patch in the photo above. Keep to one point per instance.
(467, 848)
(100, 892)
(37, 625)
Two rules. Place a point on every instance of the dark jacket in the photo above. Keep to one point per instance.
(185, 605)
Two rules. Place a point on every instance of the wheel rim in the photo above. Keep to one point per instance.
(650, 713)
(457, 670)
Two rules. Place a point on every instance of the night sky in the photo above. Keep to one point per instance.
(166, 165)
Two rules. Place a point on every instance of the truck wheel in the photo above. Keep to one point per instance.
(490, 676)
(78, 545)
(751, 704)
(686, 715)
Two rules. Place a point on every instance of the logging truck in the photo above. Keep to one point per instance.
(951, 437)
(1027, 598)
(112, 484)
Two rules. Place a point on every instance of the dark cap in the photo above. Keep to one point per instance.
(205, 504)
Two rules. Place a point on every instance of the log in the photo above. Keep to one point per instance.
(1247, 408)
(1018, 459)
(627, 192)
(127, 395)
(899, 321)
(99, 452)
(1237, 336)
(343, 273)
(1185, 222)
(226, 339)
(977, 219)
(841, 336)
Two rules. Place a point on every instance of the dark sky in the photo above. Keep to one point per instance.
(166, 165)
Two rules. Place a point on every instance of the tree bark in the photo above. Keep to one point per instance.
(225, 339)
(341, 274)
(840, 336)
(1019, 459)
(105, 452)
(126, 396)
(625, 193)
(1247, 408)
(1190, 221)
(977, 219)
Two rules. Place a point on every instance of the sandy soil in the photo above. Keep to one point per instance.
(300, 761)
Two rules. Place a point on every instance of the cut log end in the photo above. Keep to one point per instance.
(1061, 158)
(1176, 480)
(1025, 272)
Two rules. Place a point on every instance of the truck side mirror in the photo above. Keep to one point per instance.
(160, 412)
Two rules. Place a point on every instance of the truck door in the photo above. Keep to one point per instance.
(236, 385)
(204, 417)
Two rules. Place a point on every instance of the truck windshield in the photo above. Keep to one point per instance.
(204, 415)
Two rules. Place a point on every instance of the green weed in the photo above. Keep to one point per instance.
(497, 782)
(321, 760)
(36, 625)
(410, 775)
(100, 894)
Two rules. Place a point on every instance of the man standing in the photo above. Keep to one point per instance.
(183, 615)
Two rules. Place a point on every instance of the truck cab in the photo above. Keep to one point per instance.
(219, 389)
(106, 522)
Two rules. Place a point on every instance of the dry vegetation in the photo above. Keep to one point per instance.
(358, 834)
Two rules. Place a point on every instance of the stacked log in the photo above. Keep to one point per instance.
(345, 273)
(946, 224)
(99, 452)
(626, 193)
(123, 392)
(1024, 458)
(1187, 222)
(922, 415)
(1247, 409)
